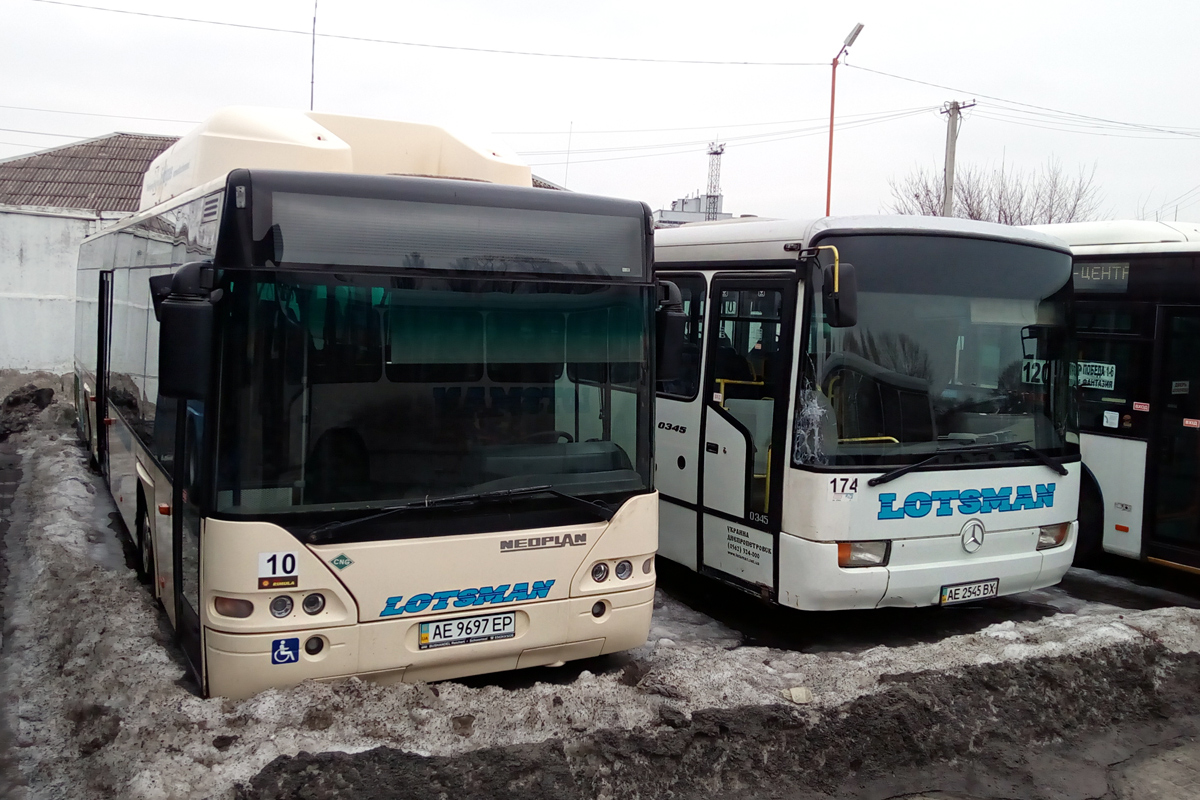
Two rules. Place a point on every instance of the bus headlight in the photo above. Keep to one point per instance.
(624, 570)
(1052, 535)
(600, 572)
(863, 554)
(233, 607)
(281, 606)
(313, 603)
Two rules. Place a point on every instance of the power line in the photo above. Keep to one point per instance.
(488, 50)
(777, 138)
(1181, 132)
(722, 126)
(95, 114)
(45, 133)
(1000, 118)
(878, 117)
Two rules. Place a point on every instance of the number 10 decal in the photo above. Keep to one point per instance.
(277, 571)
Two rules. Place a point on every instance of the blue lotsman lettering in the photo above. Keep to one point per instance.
(540, 589)
(489, 595)
(442, 599)
(466, 597)
(996, 500)
(1024, 499)
(1045, 495)
(968, 501)
(417, 603)
(917, 504)
(392, 606)
(943, 499)
(885, 507)
(518, 593)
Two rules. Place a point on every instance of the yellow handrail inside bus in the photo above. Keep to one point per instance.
(889, 439)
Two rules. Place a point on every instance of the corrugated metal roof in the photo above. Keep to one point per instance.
(101, 174)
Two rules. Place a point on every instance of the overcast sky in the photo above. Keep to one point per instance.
(1132, 63)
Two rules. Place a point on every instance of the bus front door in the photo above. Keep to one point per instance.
(185, 529)
(1175, 480)
(103, 340)
(743, 432)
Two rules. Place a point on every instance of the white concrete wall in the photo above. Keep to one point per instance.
(39, 250)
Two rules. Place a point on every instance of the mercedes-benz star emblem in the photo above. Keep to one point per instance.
(972, 536)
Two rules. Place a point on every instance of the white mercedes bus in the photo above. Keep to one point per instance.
(1137, 330)
(372, 405)
(871, 411)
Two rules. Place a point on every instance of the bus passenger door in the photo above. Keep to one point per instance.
(185, 529)
(743, 432)
(103, 340)
(1175, 481)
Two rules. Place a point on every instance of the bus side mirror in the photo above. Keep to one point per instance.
(841, 296)
(670, 321)
(185, 333)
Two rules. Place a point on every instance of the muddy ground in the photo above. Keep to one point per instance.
(100, 706)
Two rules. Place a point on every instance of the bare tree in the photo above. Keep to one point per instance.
(1002, 195)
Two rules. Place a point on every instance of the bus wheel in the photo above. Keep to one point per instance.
(145, 545)
(1090, 545)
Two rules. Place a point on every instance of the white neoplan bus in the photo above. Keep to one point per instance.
(1137, 329)
(872, 411)
(366, 423)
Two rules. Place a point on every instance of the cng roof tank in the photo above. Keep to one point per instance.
(246, 137)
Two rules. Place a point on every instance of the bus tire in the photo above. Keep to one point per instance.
(145, 545)
(1089, 546)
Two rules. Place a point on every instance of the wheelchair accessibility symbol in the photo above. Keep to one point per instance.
(285, 651)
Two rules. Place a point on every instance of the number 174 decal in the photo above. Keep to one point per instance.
(843, 488)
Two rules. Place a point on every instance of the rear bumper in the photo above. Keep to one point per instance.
(240, 665)
(810, 578)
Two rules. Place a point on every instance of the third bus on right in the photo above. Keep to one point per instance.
(1137, 290)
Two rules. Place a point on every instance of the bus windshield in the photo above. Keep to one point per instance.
(363, 391)
(959, 343)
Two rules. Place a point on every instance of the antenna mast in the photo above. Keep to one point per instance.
(711, 207)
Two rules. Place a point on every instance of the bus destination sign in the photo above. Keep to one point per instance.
(1108, 276)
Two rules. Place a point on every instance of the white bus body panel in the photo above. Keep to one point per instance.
(1119, 466)
(368, 631)
(927, 551)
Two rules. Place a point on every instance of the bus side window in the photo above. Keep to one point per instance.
(694, 292)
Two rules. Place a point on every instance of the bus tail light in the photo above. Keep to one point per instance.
(863, 554)
(233, 607)
(1052, 535)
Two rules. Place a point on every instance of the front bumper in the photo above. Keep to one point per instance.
(240, 665)
(810, 578)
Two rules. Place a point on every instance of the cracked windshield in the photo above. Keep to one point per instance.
(360, 391)
(959, 343)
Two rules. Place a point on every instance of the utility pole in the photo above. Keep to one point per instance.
(953, 111)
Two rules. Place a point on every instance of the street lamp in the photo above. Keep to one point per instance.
(832, 92)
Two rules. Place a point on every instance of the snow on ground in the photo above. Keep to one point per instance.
(104, 708)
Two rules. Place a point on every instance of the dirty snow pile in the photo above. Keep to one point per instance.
(103, 709)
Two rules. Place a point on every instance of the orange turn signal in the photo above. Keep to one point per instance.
(233, 607)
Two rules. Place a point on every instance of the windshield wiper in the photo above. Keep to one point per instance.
(1022, 447)
(602, 510)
